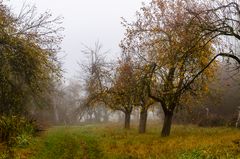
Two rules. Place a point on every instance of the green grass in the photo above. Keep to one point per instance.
(112, 142)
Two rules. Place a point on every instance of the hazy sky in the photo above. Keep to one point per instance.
(87, 21)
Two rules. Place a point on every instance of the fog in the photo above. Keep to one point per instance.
(86, 22)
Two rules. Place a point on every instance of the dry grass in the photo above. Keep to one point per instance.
(111, 141)
(208, 142)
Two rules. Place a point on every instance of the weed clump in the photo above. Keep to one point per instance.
(15, 131)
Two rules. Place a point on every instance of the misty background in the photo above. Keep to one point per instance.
(86, 22)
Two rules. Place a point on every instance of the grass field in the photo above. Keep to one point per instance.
(111, 141)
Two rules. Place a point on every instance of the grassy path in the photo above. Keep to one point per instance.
(110, 141)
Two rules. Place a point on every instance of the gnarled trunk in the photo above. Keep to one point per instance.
(127, 120)
(167, 123)
(143, 121)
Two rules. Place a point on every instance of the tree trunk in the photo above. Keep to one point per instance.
(97, 116)
(56, 113)
(105, 116)
(143, 121)
(127, 120)
(167, 124)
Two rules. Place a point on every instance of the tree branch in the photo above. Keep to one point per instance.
(200, 72)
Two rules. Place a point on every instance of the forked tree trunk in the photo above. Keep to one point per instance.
(127, 120)
(167, 124)
(143, 121)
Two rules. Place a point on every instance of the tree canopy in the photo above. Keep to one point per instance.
(168, 39)
(28, 62)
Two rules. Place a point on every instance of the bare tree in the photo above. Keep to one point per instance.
(97, 73)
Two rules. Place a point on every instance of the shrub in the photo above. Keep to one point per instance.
(232, 122)
(212, 121)
(15, 130)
